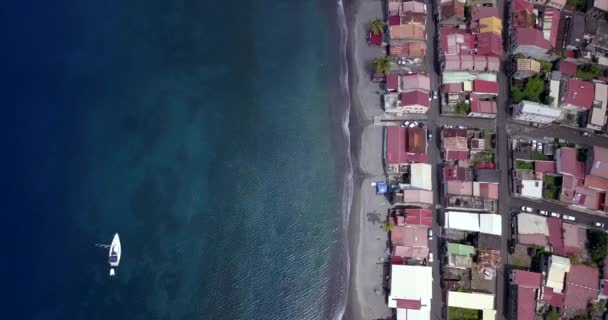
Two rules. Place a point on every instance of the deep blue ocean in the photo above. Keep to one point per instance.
(204, 132)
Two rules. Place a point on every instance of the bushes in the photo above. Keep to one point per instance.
(524, 165)
(532, 90)
(597, 245)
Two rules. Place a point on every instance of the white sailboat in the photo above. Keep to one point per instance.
(114, 254)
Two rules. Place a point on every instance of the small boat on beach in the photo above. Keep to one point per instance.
(114, 254)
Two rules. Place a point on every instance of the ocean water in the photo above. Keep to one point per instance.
(207, 133)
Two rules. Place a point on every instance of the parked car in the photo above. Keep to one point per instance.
(430, 234)
(435, 95)
(555, 215)
(534, 142)
(585, 133)
(527, 209)
(543, 212)
(405, 124)
(430, 136)
(598, 224)
(430, 257)
(567, 217)
(540, 147)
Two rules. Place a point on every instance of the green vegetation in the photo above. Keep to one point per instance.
(574, 259)
(382, 65)
(551, 315)
(455, 313)
(552, 186)
(597, 245)
(533, 19)
(386, 226)
(376, 26)
(519, 262)
(532, 91)
(588, 72)
(546, 65)
(520, 56)
(549, 100)
(535, 155)
(463, 108)
(524, 165)
(579, 5)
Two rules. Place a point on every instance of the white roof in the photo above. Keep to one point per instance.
(421, 176)
(411, 282)
(540, 109)
(598, 115)
(532, 189)
(490, 223)
(554, 92)
(423, 314)
(471, 300)
(466, 221)
(532, 224)
(558, 266)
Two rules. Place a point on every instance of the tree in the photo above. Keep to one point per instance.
(534, 88)
(588, 72)
(552, 315)
(463, 108)
(516, 94)
(546, 65)
(376, 26)
(597, 245)
(549, 100)
(382, 65)
(387, 226)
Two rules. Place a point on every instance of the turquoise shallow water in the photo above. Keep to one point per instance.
(202, 133)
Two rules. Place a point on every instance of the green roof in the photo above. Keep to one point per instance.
(460, 249)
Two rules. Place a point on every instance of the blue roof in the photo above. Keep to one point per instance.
(381, 187)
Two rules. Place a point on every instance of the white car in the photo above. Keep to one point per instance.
(598, 224)
(430, 234)
(435, 95)
(527, 209)
(543, 212)
(534, 144)
(540, 147)
(567, 217)
(555, 214)
(430, 257)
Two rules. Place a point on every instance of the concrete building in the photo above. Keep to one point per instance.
(556, 273)
(532, 43)
(551, 19)
(481, 107)
(579, 95)
(411, 291)
(526, 68)
(535, 112)
(452, 13)
(555, 88)
(532, 189)
(597, 116)
(420, 173)
(474, 301)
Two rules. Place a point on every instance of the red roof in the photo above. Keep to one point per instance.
(557, 300)
(375, 39)
(556, 235)
(519, 5)
(453, 132)
(483, 86)
(580, 93)
(582, 285)
(571, 54)
(567, 67)
(526, 303)
(489, 44)
(408, 304)
(482, 106)
(457, 155)
(452, 88)
(527, 279)
(397, 147)
(484, 12)
(392, 82)
(555, 17)
(419, 217)
(532, 37)
(394, 21)
(541, 166)
(485, 165)
(547, 294)
(600, 162)
(416, 97)
(567, 163)
(454, 40)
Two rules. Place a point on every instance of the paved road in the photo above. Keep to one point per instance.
(556, 131)
(582, 218)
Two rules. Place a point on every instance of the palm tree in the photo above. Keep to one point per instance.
(386, 226)
(382, 65)
(376, 26)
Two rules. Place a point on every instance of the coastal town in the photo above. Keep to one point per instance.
(491, 119)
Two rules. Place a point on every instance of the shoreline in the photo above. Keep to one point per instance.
(366, 241)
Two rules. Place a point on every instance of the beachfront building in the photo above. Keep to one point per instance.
(404, 146)
(411, 291)
(416, 101)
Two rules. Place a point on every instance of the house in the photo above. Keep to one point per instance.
(568, 164)
(485, 87)
(456, 41)
(460, 255)
(407, 33)
(419, 217)
(531, 43)
(575, 34)
(404, 146)
(414, 6)
(480, 12)
(597, 117)
(559, 4)
(522, 14)
(459, 188)
(582, 286)
(569, 184)
(418, 197)
(420, 174)
(490, 24)
(527, 285)
(474, 301)
(592, 199)
(532, 189)
(557, 267)
(579, 95)
(574, 239)
(482, 108)
(394, 7)
(456, 173)
(551, 19)
(410, 242)
(413, 17)
(408, 50)
(416, 101)
(411, 291)
(556, 239)
(392, 82)
(416, 81)
(485, 190)
(555, 88)
(526, 68)
(541, 168)
(452, 13)
(474, 222)
(535, 112)
(600, 162)
(532, 224)
(568, 67)
(599, 9)
(489, 44)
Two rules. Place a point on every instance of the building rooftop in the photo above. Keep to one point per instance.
(460, 188)
(580, 93)
(452, 8)
(489, 44)
(414, 6)
(455, 41)
(573, 238)
(485, 190)
(460, 249)
(544, 166)
(411, 283)
(596, 183)
(551, 21)
(582, 286)
(600, 162)
(557, 269)
(568, 67)
(589, 198)
(407, 31)
(556, 235)
(416, 81)
(567, 162)
(526, 303)
(419, 176)
(483, 12)
(526, 279)
(532, 224)
(487, 87)
(410, 49)
(410, 236)
(482, 106)
(423, 217)
(416, 97)
(490, 24)
(417, 196)
(532, 37)
(402, 148)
